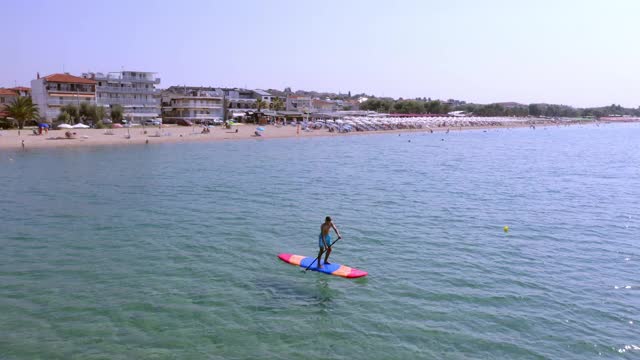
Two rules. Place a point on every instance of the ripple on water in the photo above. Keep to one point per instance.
(171, 253)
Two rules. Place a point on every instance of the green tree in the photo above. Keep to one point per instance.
(116, 113)
(277, 104)
(64, 117)
(97, 113)
(22, 109)
(379, 105)
(490, 110)
(72, 111)
(85, 110)
(433, 107)
(409, 107)
(534, 110)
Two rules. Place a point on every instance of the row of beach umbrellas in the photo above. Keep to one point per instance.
(353, 123)
(76, 126)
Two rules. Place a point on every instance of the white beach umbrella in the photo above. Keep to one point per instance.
(65, 126)
(80, 126)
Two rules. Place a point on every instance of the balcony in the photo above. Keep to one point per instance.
(70, 101)
(135, 79)
(127, 90)
(127, 102)
(143, 111)
(72, 89)
(188, 105)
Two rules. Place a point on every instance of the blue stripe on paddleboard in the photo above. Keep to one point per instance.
(327, 269)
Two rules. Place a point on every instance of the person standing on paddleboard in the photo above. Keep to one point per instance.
(324, 240)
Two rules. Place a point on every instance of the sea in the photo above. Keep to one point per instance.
(481, 244)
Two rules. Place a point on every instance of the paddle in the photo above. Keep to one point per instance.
(316, 259)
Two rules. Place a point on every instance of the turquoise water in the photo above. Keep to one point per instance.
(170, 251)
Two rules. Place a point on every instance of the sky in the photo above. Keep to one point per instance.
(579, 53)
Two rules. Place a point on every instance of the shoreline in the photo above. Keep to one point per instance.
(10, 140)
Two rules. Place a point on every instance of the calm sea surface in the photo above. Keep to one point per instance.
(170, 251)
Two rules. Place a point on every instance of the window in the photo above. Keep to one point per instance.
(1, 100)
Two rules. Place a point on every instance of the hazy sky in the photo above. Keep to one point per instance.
(581, 53)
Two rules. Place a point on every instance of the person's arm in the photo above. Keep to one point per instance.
(336, 230)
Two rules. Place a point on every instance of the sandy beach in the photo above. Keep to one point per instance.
(13, 139)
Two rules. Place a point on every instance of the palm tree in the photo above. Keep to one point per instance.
(260, 104)
(277, 104)
(22, 109)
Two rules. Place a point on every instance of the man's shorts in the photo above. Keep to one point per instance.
(321, 243)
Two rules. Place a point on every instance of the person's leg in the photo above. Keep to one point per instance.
(319, 257)
(326, 257)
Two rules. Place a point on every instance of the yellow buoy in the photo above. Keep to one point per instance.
(505, 228)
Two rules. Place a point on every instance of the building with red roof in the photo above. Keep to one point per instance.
(22, 90)
(6, 97)
(51, 92)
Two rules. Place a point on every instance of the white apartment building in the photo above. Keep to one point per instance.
(299, 103)
(133, 90)
(264, 96)
(193, 104)
(240, 99)
(53, 91)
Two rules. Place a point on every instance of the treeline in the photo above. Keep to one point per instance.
(73, 114)
(549, 110)
(318, 94)
(406, 106)
(427, 106)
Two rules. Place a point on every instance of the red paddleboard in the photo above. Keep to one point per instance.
(331, 269)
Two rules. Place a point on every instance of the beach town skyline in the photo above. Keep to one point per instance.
(526, 52)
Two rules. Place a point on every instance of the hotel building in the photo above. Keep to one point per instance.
(192, 103)
(56, 90)
(133, 90)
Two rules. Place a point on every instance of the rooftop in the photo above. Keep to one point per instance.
(9, 92)
(66, 78)
(262, 92)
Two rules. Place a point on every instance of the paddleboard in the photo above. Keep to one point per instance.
(331, 269)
